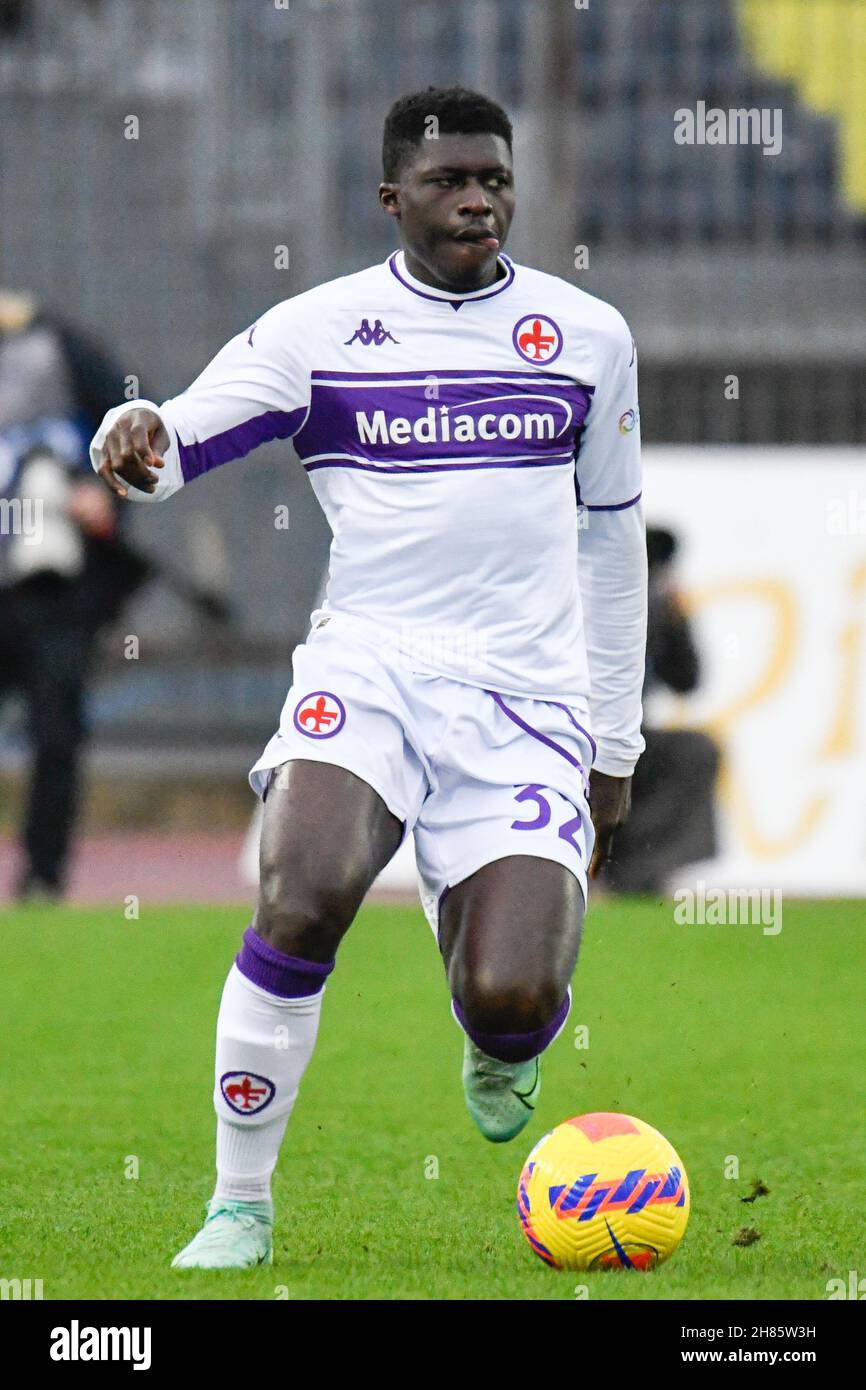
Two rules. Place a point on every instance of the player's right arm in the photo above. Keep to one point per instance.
(256, 389)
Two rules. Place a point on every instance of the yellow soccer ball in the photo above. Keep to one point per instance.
(603, 1191)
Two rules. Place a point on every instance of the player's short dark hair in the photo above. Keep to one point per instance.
(458, 112)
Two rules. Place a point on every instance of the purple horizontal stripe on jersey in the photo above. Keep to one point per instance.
(536, 733)
(237, 441)
(439, 467)
(424, 377)
(612, 506)
(376, 421)
(587, 735)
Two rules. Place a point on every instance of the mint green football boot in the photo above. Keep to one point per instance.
(500, 1096)
(236, 1235)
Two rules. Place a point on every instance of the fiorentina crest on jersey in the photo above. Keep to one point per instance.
(537, 338)
(319, 714)
(245, 1092)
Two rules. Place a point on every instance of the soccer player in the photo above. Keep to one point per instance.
(473, 674)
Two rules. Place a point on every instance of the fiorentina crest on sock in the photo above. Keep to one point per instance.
(245, 1092)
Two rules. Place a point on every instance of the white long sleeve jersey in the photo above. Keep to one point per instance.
(477, 457)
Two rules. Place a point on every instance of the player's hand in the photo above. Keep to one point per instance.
(610, 803)
(133, 446)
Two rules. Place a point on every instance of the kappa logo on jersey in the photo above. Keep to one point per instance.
(320, 714)
(537, 338)
(245, 1092)
(371, 337)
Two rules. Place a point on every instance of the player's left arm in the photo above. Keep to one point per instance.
(612, 574)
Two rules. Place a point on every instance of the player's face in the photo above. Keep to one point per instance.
(454, 203)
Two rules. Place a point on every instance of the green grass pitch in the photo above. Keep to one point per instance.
(730, 1042)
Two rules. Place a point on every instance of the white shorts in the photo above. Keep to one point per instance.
(476, 775)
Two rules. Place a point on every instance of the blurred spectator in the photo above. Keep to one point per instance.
(63, 571)
(672, 819)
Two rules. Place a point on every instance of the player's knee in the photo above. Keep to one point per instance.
(502, 1004)
(302, 917)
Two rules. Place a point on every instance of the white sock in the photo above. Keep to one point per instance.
(264, 1044)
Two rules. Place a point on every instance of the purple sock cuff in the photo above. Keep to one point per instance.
(515, 1047)
(288, 976)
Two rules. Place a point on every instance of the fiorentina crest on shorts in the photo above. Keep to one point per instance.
(245, 1092)
(320, 714)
